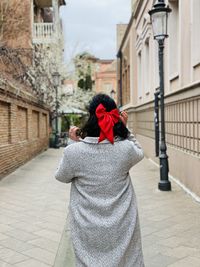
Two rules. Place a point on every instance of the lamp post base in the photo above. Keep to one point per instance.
(57, 144)
(164, 185)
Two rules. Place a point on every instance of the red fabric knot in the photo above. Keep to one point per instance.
(106, 122)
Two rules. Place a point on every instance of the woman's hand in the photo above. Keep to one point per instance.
(124, 117)
(72, 133)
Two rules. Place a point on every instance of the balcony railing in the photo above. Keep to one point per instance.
(43, 33)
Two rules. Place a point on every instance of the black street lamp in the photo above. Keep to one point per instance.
(56, 83)
(159, 18)
(120, 56)
(112, 94)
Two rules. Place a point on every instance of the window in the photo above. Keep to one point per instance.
(139, 74)
(146, 67)
(35, 124)
(174, 39)
(22, 124)
(44, 129)
(107, 87)
(195, 32)
(5, 123)
(156, 66)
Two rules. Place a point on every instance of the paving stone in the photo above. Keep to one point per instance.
(175, 241)
(34, 206)
(160, 260)
(11, 256)
(21, 235)
(54, 236)
(15, 244)
(187, 262)
(45, 243)
(7, 220)
(56, 227)
(5, 228)
(25, 227)
(3, 236)
(41, 255)
(4, 264)
(152, 250)
(31, 263)
(7, 212)
(175, 216)
(147, 230)
(181, 252)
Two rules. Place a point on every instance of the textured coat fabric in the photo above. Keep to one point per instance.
(103, 212)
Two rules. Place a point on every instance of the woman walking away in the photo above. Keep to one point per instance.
(103, 214)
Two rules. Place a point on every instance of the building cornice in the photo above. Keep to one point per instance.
(126, 34)
(17, 93)
(188, 92)
(133, 16)
(106, 61)
(137, 7)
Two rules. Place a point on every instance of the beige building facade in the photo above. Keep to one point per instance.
(105, 78)
(138, 79)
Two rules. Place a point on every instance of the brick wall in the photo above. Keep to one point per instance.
(23, 130)
(4, 123)
(21, 13)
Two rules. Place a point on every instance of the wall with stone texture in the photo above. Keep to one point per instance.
(21, 15)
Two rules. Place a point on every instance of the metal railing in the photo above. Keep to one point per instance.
(43, 32)
(182, 124)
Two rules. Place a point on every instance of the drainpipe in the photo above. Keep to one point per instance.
(120, 56)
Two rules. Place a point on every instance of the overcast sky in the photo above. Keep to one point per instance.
(90, 25)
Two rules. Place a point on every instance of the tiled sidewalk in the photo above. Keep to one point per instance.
(33, 211)
(170, 221)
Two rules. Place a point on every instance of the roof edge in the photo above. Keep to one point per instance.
(134, 14)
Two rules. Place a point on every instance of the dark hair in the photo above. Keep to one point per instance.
(92, 128)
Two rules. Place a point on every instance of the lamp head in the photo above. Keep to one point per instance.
(159, 19)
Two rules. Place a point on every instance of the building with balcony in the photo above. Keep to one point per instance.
(33, 22)
(24, 116)
(46, 23)
(138, 79)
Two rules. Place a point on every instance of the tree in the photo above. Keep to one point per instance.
(88, 82)
(85, 66)
(81, 83)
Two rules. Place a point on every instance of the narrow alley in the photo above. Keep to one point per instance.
(33, 208)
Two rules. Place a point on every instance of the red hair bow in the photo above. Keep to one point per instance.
(106, 121)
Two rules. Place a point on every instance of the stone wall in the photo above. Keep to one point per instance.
(24, 128)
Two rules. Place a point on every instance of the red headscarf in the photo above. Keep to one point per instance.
(106, 121)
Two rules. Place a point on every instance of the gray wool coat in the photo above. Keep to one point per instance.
(103, 213)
